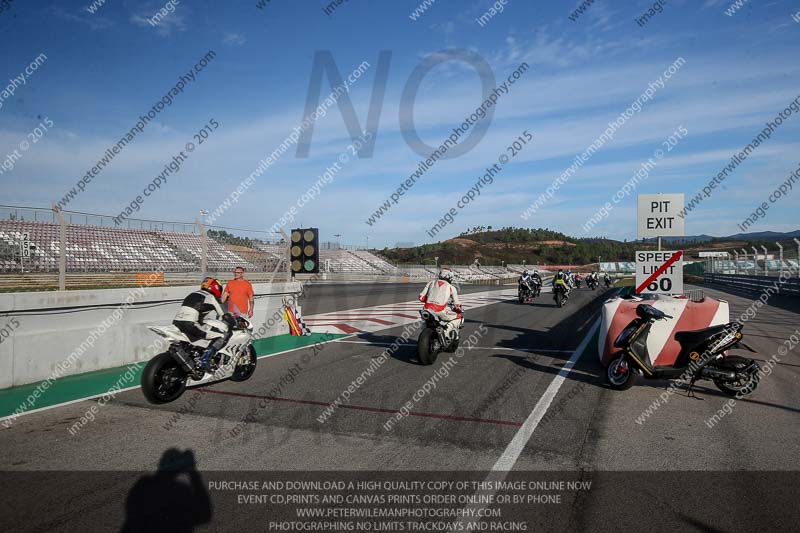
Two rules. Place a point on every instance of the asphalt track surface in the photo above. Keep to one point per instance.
(671, 471)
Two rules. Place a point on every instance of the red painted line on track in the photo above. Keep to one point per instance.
(365, 318)
(362, 408)
(353, 315)
(344, 327)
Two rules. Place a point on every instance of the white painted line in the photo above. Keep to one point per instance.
(517, 444)
(512, 452)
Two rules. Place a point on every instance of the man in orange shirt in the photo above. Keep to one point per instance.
(240, 293)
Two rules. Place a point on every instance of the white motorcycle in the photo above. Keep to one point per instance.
(167, 375)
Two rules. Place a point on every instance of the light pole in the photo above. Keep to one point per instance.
(338, 244)
(780, 260)
(203, 244)
(755, 261)
(798, 256)
(766, 272)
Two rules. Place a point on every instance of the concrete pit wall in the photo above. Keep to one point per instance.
(56, 334)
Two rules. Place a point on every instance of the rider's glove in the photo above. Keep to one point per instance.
(458, 309)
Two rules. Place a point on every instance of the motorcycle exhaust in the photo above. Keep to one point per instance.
(713, 373)
(181, 356)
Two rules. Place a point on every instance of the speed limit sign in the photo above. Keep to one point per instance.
(659, 272)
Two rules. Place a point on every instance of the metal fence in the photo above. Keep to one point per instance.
(759, 261)
(757, 284)
(36, 243)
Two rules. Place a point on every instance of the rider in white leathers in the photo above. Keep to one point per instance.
(437, 294)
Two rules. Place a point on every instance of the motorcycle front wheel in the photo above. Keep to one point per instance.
(559, 299)
(743, 386)
(246, 366)
(163, 379)
(427, 347)
(619, 374)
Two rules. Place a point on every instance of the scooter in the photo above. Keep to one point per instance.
(702, 356)
(433, 338)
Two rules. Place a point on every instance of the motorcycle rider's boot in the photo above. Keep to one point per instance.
(451, 332)
(204, 365)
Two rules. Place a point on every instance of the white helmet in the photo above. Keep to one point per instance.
(446, 274)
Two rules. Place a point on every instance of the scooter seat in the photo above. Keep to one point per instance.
(692, 338)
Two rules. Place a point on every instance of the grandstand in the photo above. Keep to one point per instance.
(107, 255)
(355, 261)
(92, 248)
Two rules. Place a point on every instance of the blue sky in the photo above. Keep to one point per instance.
(105, 69)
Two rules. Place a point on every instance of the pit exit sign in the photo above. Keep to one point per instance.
(658, 215)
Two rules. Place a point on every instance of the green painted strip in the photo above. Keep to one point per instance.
(75, 387)
(281, 343)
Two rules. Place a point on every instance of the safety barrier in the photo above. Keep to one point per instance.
(57, 334)
(783, 285)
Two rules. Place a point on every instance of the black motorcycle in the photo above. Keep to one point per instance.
(529, 289)
(608, 282)
(536, 286)
(591, 282)
(560, 294)
(432, 340)
(578, 281)
(524, 292)
(702, 356)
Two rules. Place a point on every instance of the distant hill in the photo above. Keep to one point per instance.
(771, 236)
(545, 246)
(766, 235)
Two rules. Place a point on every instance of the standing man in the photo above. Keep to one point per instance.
(240, 293)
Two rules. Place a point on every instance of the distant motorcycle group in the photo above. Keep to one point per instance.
(530, 285)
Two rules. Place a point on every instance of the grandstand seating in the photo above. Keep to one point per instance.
(347, 261)
(218, 258)
(101, 249)
(377, 262)
(93, 249)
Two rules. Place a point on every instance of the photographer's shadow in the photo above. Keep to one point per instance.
(165, 502)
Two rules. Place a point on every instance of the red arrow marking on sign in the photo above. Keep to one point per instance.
(660, 271)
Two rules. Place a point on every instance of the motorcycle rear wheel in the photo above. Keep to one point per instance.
(742, 387)
(619, 374)
(247, 365)
(163, 379)
(426, 347)
(559, 299)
